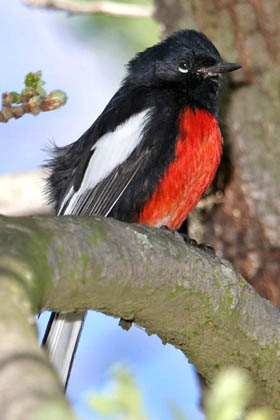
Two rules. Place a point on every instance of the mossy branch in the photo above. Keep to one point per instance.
(152, 277)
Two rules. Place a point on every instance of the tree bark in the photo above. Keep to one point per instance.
(150, 276)
(29, 389)
(241, 220)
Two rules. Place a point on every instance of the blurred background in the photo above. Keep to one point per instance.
(85, 57)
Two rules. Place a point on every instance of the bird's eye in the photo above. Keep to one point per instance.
(184, 65)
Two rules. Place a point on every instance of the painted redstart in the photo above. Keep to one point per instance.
(148, 157)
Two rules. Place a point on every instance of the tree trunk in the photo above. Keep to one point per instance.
(240, 217)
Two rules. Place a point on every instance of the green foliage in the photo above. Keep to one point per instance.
(33, 83)
(16, 97)
(34, 98)
(125, 403)
(132, 34)
(230, 396)
(227, 399)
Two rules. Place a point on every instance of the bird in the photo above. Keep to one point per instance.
(147, 158)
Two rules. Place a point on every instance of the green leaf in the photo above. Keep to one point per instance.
(28, 91)
(16, 97)
(126, 402)
(227, 400)
(33, 80)
(41, 92)
(229, 396)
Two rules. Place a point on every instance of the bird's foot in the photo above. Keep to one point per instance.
(189, 240)
(165, 227)
(204, 247)
(208, 249)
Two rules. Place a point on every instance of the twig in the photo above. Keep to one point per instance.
(11, 111)
(32, 100)
(99, 7)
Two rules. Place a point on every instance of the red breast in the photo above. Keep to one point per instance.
(197, 157)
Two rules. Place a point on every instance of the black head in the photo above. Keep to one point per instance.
(185, 61)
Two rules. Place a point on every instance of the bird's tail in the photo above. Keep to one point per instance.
(61, 340)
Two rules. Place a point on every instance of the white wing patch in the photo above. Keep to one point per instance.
(111, 150)
(66, 198)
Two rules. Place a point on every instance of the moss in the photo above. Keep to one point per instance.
(96, 274)
(99, 234)
(177, 290)
(228, 299)
(242, 282)
(225, 341)
(24, 245)
(60, 250)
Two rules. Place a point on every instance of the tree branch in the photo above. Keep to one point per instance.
(190, 299)
(32, 100)
(30, 105)
(28, 385)
(98, 7)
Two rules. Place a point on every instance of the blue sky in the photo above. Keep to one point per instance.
(88, 66)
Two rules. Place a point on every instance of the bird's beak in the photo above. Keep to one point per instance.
(219, 69)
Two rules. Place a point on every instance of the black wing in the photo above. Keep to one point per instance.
(102, 198)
